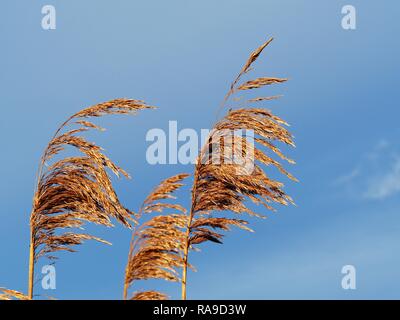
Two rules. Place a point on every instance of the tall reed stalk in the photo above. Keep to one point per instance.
(74, 190)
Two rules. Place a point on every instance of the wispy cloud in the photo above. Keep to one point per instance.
(386, 185)
(347, 178)
(376, 176)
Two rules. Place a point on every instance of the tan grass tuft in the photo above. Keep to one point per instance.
(149, 295)
(247, 66)
(6, 294)
(78, 189)
(258, 99)
(223, 186)
(260, 82)
(157, 245)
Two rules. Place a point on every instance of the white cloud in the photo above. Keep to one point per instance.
(348, 177)
(376, 176)
(386, 185)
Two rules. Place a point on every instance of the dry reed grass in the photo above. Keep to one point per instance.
(149, 295)
(75, 190)
(6, 294)
(160, 247)
(157, 245)
(225, 186)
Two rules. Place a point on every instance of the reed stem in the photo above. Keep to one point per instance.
(31, 267)
(187, 238)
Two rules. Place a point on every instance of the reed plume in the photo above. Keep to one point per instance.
(221, 185)
(75, 190)
(6, 294)
(156, 247)
(149, 295)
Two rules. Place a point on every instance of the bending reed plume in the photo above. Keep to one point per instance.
(227, 185)
(75, 190)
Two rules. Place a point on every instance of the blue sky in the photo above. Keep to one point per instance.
(341, 101)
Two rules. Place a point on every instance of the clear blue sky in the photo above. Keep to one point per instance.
(342, 102)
